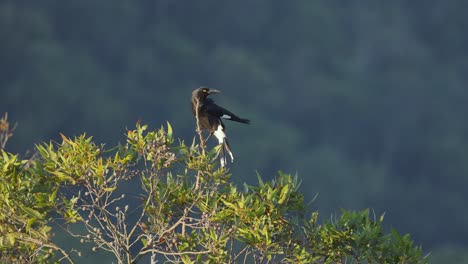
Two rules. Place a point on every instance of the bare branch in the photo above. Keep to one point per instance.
(202, 140)
(51, 245)
(176, 253)
(199, 131)
(6, 131)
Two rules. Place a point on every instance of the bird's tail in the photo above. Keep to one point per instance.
(228, 148)
(222, 157)
(240, 120)
(223, 141)
(225, 148)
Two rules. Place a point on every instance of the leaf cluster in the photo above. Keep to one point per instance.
(185, 208)
(27, 198)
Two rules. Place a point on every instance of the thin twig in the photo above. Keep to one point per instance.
(202, 140)
(199, 131)
(177, 253)
(49, 245)
(6, 132)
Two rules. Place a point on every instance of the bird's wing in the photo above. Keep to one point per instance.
(216, 110)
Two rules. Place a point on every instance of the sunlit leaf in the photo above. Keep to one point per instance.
(11, 238)
(283, 194)
(110, 189)
(31, 212)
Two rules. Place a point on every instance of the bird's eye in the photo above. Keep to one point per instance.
(205, 90)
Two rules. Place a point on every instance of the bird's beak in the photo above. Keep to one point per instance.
(213, 91)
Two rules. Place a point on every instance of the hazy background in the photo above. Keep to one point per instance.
(365, 100)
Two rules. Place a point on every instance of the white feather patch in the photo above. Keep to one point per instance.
(232, 156)
(223, 161)
(219, 134)
(226, 116)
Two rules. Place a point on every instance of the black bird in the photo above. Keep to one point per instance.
(209, 118)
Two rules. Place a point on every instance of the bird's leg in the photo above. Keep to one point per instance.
(206, 140)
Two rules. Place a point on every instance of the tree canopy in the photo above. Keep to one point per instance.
(186, 209)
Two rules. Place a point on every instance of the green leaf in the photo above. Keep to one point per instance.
(30, 222)
(169, 131)
(5, 156)
(31, 212)
(213, 235)
(241, 202)
(110, 189)
(260, 181)
(228, 204)
(283, 194)
(53, 195)
(45, 230)
(11, 238)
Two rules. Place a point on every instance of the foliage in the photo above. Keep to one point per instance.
(28, 197)
(374, 91)
(186, 209)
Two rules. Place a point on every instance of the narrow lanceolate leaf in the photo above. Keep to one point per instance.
(11, 238)
(110, 189)
(5, 156)
(213, 235)
(53, 195)
(284, 193)
(169, 131)
(64, 138)
(228, 204)
(31, 212)
(62, 176)
(30, 222)
(260, 181)
(45, 230)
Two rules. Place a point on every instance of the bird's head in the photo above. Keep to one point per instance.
(203, 92)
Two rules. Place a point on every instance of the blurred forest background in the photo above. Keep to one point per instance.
(365, 100)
